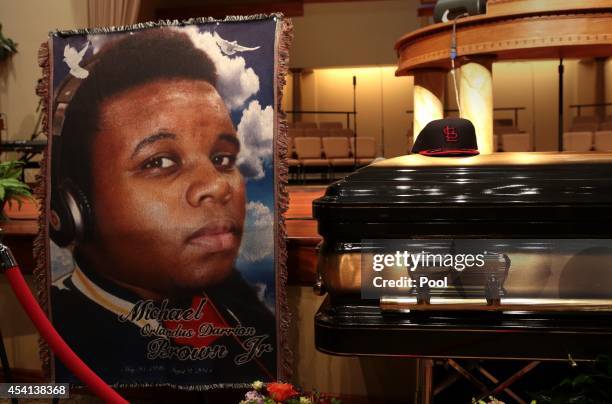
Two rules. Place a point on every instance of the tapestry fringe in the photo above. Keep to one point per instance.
(165, 23)
(74, 388)
(40, 193)
(285, 37)
(191, 387)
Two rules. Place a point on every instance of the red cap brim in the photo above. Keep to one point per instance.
(449, 152)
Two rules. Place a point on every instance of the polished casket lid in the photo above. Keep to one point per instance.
(508, 194)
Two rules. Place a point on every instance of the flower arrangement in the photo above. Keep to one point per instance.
(285, 393)
(489, 400)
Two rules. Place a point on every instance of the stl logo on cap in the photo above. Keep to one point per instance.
(450, 133)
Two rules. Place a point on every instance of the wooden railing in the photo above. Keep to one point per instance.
(579, 107)
(347, 113)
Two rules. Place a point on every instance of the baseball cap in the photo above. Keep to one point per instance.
(449, 137)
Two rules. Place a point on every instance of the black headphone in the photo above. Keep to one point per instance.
(70, 215)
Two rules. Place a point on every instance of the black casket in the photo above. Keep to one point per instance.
(541, 223)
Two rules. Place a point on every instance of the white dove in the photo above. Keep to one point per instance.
(73, 59)
(231, 47)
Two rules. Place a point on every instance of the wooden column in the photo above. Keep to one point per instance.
(428, 96)
(476, 97)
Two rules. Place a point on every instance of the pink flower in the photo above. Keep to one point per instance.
(254, 396)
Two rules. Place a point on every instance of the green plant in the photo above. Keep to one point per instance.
(11, 187)
(589, 384)
(7, 46)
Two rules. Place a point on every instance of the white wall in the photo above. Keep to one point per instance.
(351, 33)
(535, 85)
(381, 98)
(28, 23)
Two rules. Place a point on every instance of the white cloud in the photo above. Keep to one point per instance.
(258, 238)
(255, 131)
(62, 261)
(236, 83)
(260, 290)
(98, 41)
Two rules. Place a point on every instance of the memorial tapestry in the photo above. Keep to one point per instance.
(161, 253)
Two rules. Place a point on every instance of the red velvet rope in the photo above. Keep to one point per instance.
(57, 343)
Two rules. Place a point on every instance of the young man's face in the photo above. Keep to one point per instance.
(168, 199)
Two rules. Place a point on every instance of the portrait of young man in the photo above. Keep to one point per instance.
(161, 205)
